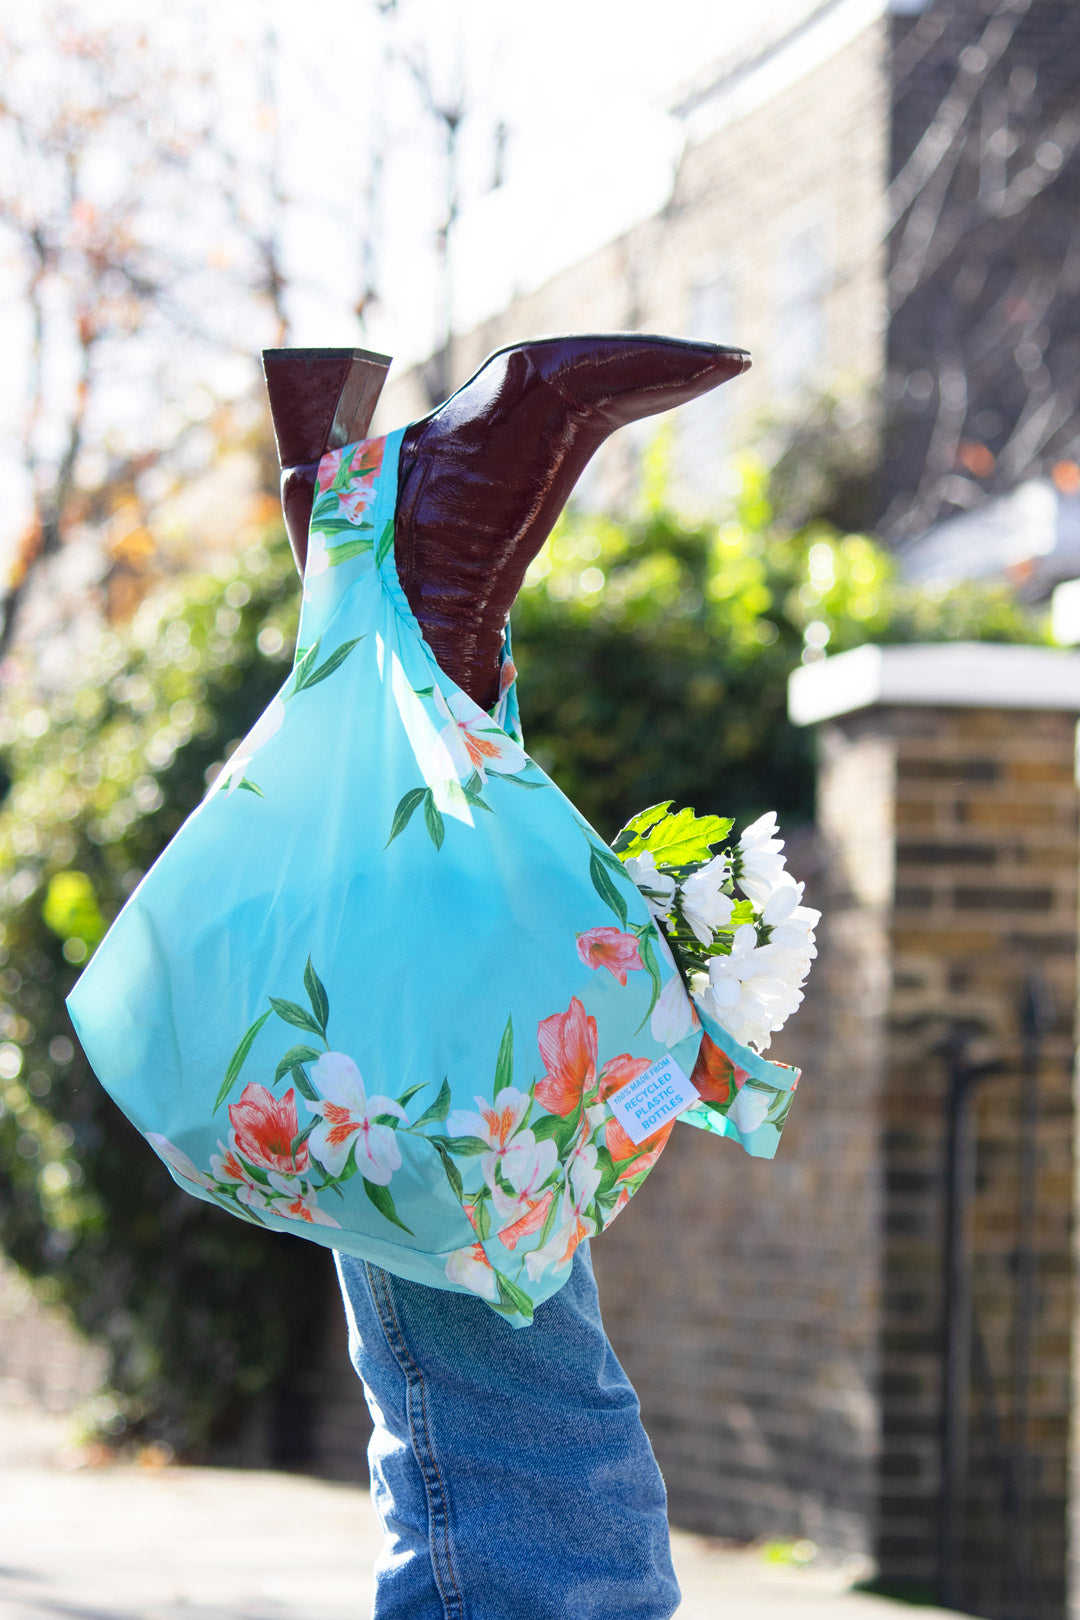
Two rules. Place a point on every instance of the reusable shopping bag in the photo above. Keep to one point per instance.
(386, 988)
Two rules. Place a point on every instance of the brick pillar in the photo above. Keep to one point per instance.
(948, 806)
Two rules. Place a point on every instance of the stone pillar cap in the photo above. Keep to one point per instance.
(958, 674)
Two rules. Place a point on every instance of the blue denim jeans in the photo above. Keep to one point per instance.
(509, 1467)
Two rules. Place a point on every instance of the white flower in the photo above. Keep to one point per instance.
(673, 1017)
(472, 1269)
(473, 740)
(792, 928)
(177, 1159)
(657, 887)
(704, 904)
(515, 1153)
(760, 865)
(746, 994)
(296, 1201)
(749, 1108)
(348, 1119)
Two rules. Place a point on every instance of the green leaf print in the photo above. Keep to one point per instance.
(476, 801)
(453, 1174)
(440, 1108)
(520, 781)
(407, 1096)
(335, 555)
(386, 544)
(604, 885)
(293, 1058)
(403, 814)
(320, 1003)
(380, 1197)
(504, 1063)
(303, 1084)
(433, 819)
(236, 1062)
(464, 1146)
(329, 665)
(251, 787)
(305, 660)
(294, 1014)
(652, 968)
(513, 1299)
(340, 525)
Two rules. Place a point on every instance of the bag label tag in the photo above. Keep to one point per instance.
(643, 1105)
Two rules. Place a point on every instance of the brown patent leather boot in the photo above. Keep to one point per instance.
(483, 478)
(320, 399)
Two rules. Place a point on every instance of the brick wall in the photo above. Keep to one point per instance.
(986, 894)
(744, 1296)
(785, 1323)
(44, 1362)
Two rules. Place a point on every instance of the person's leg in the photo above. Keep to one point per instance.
(509, 1467)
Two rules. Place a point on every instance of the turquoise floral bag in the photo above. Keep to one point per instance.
(387, 989)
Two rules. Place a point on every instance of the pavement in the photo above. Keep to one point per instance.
(83, 1539)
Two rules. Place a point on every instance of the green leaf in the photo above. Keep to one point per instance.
(605, 887)
(343, 474)
(465, 1146)
(320, 1004)
(386, 544)
(433, 819)
(335, 661)
(676, 840)
(304, 661)
(560, 1131)
(294, 1014)
(403, 814)
(518, 781)
(339, 525)
(652, 968)
(380, 1197)
(474, 783)
(336, 555)
(236, 1062)
(743, 913)
(638, 825)
(482, 1219)
(549, 1220)
(251, 787)
(612, 862)
(504, 1063)
(453, 1174)
(476, 801)
(407, 1096)
(440, 1108)
(303, 1084)
(294, 1057)
(298, 1141)
(514, 1298)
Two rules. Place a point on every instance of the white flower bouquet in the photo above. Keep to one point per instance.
(733, 917)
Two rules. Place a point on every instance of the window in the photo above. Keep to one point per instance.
(701, 428)
(803, 279)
